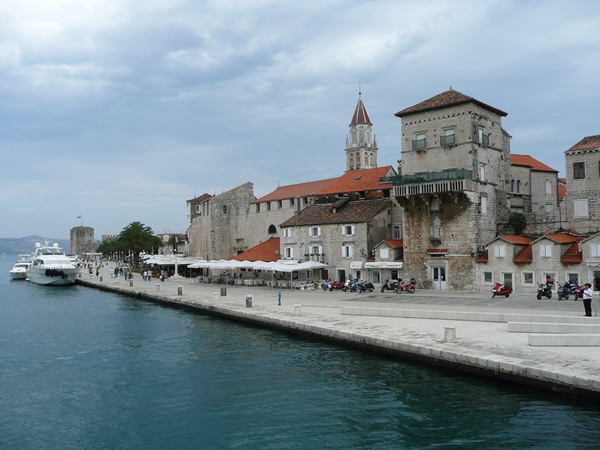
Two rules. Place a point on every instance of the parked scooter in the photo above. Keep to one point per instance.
(337, 285)
(566, 289)
(326, 285)
(348, 286)
(544, 290)
(501, 289)
(389, 285)
(402, 286)
(365, 286)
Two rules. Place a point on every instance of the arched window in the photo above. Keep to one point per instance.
(548, 187)
(518, 186)
(437, 227)
(351, 161)
(512, 185)
(357, 161)
(272, 229)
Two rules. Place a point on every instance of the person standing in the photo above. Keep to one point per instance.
(587, 299)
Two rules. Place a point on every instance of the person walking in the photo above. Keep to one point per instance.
(587, 299)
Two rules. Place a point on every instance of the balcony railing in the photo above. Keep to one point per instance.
(457, 180)
(445, 141)
(419, 144)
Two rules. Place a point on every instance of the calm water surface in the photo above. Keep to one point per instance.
(81, 368)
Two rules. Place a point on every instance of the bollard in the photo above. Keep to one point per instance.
(101, 278)
(157, 287)
(450, 334)
(79, 274)
(130, 283)
(223, 291)
(179, 290)
(249, 301)
(297, 309)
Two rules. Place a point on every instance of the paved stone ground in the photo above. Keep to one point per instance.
(486, 345)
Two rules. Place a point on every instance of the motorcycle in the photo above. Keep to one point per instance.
(348, 286)
(402, 286)
(326, 285)
(337, 285)
(544, 290)
(501, 289)
(389, 285)
(564, 290)
(364, 287)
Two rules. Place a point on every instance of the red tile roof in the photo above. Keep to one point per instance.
(394, 243)
(359, 181)
(360, 114)
(524, 256)
(352, 212)
(444, 100)
(587, 143)
(529, 161)
(562, 190)
(516, 239)
(562, 238)
(296, 190)
(200, 199)
(484, 257)
(572, 255)
(265, 251)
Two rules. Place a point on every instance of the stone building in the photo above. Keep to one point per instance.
(455, 171)
(582, 163)
(533, 192)
(82, 240)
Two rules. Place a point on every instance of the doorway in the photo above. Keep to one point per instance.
(439, 277)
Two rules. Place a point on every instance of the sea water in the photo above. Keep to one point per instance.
(83, 368)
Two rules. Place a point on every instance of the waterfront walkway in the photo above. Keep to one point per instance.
(545, 343)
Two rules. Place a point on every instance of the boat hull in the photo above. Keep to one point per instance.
(48, 277)
(18, 275)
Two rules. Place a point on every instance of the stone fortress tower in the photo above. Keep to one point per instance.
(82, 240)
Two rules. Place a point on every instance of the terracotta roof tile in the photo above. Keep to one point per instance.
(265, 251)
(524, 256)
(587, 143)
(484, 257)
(562, 191)
(444, 100)
(562, 238)
(529, 161)
(200, 199)
(394, 243)
(516, 239)
(573, 254)
(352, 212)
(296, 190)
(359, 181)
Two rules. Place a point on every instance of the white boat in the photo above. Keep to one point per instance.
(19, 270)
(51, 267)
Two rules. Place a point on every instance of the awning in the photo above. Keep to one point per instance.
(384, 265)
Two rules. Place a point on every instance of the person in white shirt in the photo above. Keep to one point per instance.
(587, 299)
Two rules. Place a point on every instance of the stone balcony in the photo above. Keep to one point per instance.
(447, 181)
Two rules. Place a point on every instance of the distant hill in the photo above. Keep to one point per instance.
(11, 246)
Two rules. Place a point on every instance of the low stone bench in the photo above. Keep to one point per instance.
(564, 340)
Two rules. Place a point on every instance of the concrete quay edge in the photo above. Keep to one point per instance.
(571, 376)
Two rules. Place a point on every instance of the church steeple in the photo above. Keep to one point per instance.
(361, 145)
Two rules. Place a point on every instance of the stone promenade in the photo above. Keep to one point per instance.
(542, 343)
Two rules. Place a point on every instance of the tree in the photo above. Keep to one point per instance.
(137, 237)
(174, 241)
(517, 222)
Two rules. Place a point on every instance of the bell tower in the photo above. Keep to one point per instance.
(361, 145)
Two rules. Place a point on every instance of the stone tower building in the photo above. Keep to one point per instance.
(452, 185)
(82, 240)
(361, 145)
(582, 163)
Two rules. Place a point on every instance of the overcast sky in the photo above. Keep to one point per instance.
(121, 110)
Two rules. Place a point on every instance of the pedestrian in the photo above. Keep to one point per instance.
(279, 298)
(587, 299)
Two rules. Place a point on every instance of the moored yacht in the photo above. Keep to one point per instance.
(51, 267)
(19, 270)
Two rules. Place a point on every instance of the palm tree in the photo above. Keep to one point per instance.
(174, 241)
(136, 237)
